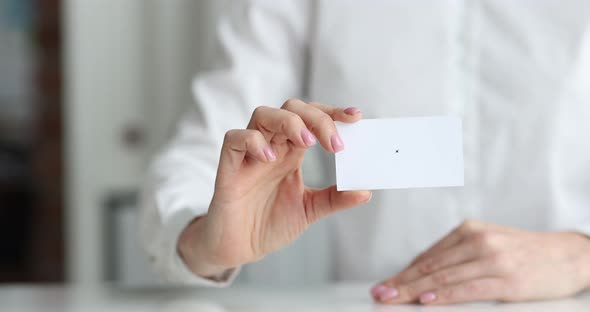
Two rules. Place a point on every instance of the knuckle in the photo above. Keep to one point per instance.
(485, 240)
(470, 226)
(293, 120)
(258, 111)
(428, 266)
(252, 135)
(230, 134)
(290, 103)
(441, 278)
(323, 107)
(499, 260)
(324, 121)
(424, 269)
(479, 239)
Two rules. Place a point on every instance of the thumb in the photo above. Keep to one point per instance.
(320, 203)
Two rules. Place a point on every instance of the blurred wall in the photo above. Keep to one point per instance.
(128, 69)
(129, 65)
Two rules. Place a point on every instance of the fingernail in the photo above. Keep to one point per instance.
(337, 144)
(352, 111)
(388, 294)
(427, 297)
(377, 290)
(270, 155)
(308, 137)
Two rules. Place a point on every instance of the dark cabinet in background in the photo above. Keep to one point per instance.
(31, 142)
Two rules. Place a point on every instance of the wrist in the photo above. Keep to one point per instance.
(192, 250)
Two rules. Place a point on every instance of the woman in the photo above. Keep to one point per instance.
(516, 71)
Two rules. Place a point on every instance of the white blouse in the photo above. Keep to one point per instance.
(517, 72)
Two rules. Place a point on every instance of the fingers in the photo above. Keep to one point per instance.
(239, 144)
(475, 256)
(279, 125)
(301, 123)
(348, 115)
(463, 252)
(319, 123)
(457, 235)
(484, 289)
(414, 290)
(321, 203)
(468, 230)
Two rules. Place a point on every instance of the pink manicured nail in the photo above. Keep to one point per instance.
(427, 297)
(270, 155)
(377, 290)
(388, 294)
(337, 143)
(308, 137)
(352, 111)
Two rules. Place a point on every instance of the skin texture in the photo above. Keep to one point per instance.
(260, 203)
(486, 262)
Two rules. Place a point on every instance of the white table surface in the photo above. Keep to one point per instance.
(329, 298)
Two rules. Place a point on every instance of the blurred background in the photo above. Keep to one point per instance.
(88, 91)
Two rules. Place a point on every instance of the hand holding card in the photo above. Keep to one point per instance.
(400, 153)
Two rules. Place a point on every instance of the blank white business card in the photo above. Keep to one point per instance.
(400, 153)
